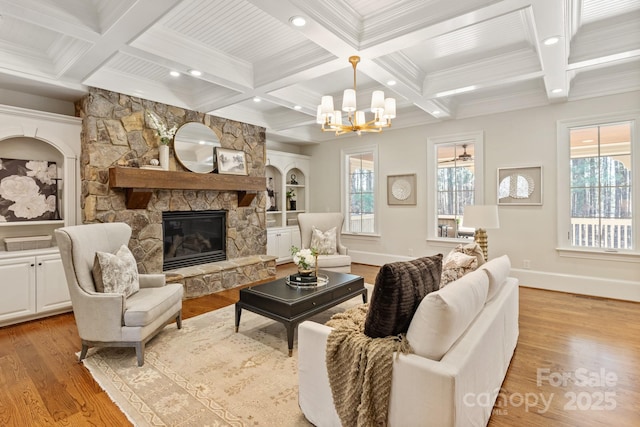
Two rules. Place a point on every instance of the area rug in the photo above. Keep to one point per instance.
(205, 374)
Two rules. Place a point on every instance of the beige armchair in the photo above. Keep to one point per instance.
(340, 261)
(111, 319)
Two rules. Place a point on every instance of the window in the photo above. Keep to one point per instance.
(600, 162)
(598, 198)
(456, 162)
(360, 184)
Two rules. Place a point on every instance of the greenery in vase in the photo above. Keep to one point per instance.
(291, 194)
(305, 259)
(164, 133)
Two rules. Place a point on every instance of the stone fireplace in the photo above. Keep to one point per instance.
(193, 237)
(116, 133)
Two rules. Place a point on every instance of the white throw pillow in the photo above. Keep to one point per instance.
(323, 243)
(498, 270)
(444, 315)
(116, 273)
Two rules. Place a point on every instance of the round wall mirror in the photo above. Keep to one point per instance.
(194, 144)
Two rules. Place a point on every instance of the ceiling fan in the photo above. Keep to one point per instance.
(464, 157)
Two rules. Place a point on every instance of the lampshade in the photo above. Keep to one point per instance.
(327, 104)
(377, 101)
(389, 108)
(348, 100)
(481, 216)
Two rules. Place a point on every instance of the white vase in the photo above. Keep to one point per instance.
(163, 154)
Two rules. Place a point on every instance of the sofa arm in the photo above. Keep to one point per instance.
(99, 316)
(422, 390)
(314, 392)
(152, 280)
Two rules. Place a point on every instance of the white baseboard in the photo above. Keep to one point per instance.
(372, 258)
(583, 285)
(575, 284)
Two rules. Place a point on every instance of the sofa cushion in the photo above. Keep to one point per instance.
(323, 242)
(498, 270)
(399, 288)
(443, 316)
(116, 273)
(150, 303)
(335, 260)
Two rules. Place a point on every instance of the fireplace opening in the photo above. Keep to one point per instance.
(193, 237)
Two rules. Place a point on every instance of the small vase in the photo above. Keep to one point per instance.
(163, 154)
(305, 272)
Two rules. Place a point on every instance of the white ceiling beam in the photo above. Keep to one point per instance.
(136, 21)
(551, 20)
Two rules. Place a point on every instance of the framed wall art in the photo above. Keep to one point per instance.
(230, 162)
(520, 185)
(401, 189)
(28, 190)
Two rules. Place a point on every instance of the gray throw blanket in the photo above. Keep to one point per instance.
(360, 369)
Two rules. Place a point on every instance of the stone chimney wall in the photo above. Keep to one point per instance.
(116, 132)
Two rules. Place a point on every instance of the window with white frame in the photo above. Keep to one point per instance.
(360, 189)
(598, 213)
(456, 180)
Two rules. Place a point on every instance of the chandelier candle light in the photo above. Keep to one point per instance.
(331, 120)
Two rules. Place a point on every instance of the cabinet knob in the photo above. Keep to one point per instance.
(39, 263)
(32, 265)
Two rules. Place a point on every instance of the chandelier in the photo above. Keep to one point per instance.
(331, 120)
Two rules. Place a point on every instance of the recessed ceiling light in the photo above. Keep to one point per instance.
(551, 40)
(557, 90)
(391, 82)
(587, 140)
(297, 107)
(195, 72)
(202, 142)
(436, 112)
(298, 21)
(256, 99)
(174, 73)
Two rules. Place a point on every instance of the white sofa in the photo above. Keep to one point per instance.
(461, 387)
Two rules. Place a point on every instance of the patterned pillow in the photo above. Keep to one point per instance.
(116, 273)
(399, 288)
(455, 265)
(323, 243)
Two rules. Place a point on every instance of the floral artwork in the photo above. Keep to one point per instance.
(28, 190)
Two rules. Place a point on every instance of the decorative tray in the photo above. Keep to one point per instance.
(298, 281)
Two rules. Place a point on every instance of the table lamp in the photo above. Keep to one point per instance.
(481, 217)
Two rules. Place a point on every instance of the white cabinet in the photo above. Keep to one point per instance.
(279, 242)
(52, 292)
(32, 286)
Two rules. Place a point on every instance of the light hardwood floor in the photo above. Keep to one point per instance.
(593, 343)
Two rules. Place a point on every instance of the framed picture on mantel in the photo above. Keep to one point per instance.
(230, 162)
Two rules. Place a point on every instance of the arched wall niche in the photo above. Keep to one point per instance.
(35, 135)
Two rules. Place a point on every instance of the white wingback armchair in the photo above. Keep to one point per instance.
(111, 319)
(340, 261)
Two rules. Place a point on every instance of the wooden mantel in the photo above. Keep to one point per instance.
(140, 183)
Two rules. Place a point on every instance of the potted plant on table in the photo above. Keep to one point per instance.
(305, 259)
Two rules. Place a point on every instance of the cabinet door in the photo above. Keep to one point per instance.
(279, 244)
(295, 238)
(17, 288)
(53, 293)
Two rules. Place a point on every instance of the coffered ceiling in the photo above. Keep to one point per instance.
(449, 59)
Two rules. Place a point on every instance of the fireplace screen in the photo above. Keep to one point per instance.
(195, 237)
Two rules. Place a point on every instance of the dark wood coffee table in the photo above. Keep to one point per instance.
(291, 305)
